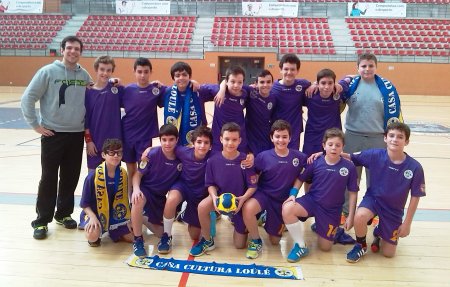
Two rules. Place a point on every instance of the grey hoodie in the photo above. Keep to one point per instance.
(60, 92)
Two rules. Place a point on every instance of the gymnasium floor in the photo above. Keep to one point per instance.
(65, 259)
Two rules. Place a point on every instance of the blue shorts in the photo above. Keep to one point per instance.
(388, 221)
(327, 221)
(132, 151)
(274, 219)
(192, 198)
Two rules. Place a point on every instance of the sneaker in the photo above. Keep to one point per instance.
(374, 221)
(67, 222)
(95, 243)
(356, 253)
(165, 244)
(297, 253)
(262, 218)
(202, 246)
(40, 232)
(254, 248)
(138, 247)
(375, 246)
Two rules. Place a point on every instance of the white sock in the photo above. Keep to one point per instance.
(297, 232)
(167, 223)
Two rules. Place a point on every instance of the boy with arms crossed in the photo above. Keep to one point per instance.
(150, 186)
(330, 175)
(225, 173)
(278, 169)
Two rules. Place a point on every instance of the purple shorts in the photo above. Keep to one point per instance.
(238, 221)
(388, 222)
(132, 151)
(192, 196)
(116, 233)
(309, 148)
(327, 220)
(274, 219)
(154, 207)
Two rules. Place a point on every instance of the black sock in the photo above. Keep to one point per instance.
(362, 241)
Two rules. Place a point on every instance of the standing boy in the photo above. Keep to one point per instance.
(394, 174)
(278, 169)
(59, 87)
(150, 185)
(105, 198)
(225, 173)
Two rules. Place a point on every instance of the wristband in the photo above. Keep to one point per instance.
(293, 192)
(87, 138)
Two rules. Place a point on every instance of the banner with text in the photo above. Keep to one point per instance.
(285, 9)
(215, 268)
(357, 9)
(21, 6)
(143, 7)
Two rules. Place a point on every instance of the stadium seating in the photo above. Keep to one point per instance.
(290, 35)
(32, 31)
(137, 33)
(404, 37)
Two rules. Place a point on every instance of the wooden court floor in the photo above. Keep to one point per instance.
(65, 259)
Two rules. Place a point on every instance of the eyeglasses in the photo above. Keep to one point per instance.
(114, 152)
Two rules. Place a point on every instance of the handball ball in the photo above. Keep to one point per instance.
(227, 203)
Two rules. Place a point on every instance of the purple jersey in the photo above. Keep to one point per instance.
(159, 173)
(330, 181)
(258, 121)
(102, 118)
(289, 106)
(140, 122)
(228, 175)
(232, 110)
(277, 174)
(88, 197)
(390, 182)
(323, 114)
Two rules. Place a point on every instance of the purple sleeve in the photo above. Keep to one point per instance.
(207, 92)
(86, 106)
(181, 150)
(162, 94)
(88, 194)
(418, 183)
(361, 158)
(307, 173)
(250, 177)
(209, 175)
(259, 163)
(352, 184)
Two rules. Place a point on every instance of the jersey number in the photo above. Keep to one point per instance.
(331, 230)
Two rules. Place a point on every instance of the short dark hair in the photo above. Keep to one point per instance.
(71, 39)
(202, 131)
(141, 61)
(400, 127)
(234, 70)
(326, 73)
(168, 130)
(104, 60)
(180, 67)
(290, 58)
(280, 125)
(111, 144)
(264, 73)
(230, 127)
(368, 57)
(333, 133)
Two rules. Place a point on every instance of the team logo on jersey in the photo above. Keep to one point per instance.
(269, 106)
(343, 171)
(171, 120)
(408, 174)
(422, 187)
(253, 94)
(295, 162)
(393, 120)
(155, 91)
(242, 166)
(336, 97)
(179, 166)
(114, 90)
(242, 102)
(298, 88)
(253, 179)
(142, 164)
(120, 211)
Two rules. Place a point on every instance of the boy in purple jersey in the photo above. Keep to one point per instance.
(140, 122)
(394, 174)
(225, 173)
(278, 169)
(289, 93)
(150, 186)
(330, 175)
(190, 187)
(323, 111)
(102, 104)
(105, 198)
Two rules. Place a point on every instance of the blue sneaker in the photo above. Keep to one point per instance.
(138, 247)
(165, 244)
(297, 253)
(254, 248)
(356, 253)
(202, 246)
